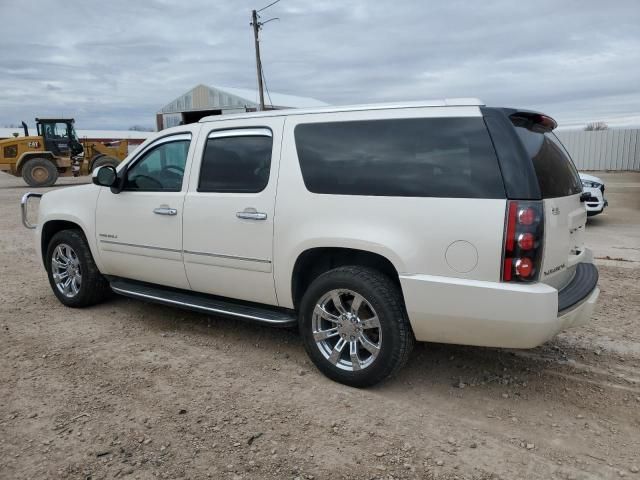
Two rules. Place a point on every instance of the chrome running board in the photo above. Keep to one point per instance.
(204, 303)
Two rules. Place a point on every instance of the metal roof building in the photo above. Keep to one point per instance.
(203, 100)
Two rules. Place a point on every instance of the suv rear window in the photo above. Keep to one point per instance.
(557, 175)
(416, 157)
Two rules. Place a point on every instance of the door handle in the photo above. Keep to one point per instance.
(165, 211)
(250, 213)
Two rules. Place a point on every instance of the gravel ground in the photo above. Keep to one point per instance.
(131, 390)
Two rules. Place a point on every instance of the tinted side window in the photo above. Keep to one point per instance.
(160, 169)
(425, 157)
(557, 176)
(236, 164)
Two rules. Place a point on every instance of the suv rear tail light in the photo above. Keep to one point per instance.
(524, 267)
(526, 241)
(526, 216)
(523, 238)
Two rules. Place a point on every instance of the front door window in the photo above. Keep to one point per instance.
(161, 169)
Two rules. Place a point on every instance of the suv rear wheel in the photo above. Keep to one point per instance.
(73, 275)
(354, 326)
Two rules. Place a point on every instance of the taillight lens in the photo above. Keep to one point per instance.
(526, 241)
(526, 216)
(524, 267)
(523, 238)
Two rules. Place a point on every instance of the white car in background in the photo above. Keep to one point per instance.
(595, 187)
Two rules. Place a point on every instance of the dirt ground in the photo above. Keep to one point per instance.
(132, 390)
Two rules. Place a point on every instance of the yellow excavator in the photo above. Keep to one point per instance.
(55, 151)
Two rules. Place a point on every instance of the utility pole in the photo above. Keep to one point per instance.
(257, 25)
(256, 29)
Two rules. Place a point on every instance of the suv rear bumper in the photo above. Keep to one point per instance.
(495, 314)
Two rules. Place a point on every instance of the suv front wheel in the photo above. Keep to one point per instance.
(354, 326)
(73, 275)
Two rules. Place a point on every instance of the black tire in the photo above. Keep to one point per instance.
(39, 172)
(385, 297)
(92, 161)
(104, 160)
(94, 288)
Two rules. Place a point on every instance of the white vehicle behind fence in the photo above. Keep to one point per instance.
(367, 227)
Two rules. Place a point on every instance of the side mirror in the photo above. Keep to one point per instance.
(104, 176)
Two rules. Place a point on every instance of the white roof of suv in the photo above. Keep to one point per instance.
(445, 102)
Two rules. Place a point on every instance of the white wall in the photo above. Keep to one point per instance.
(612, 149)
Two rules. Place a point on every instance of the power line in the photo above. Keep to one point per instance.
(267, 87)
(264, 8)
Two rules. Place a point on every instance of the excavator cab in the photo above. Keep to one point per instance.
(59, 136)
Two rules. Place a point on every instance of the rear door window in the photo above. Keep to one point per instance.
(423, 157)
(557, 175)
(238, 163)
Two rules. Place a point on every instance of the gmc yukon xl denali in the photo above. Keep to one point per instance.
(368, 227)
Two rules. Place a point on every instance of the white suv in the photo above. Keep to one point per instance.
(369, 227)
(595, 201)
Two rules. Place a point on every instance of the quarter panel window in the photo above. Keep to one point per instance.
(236, 164)
(160, 169)
(424, 157)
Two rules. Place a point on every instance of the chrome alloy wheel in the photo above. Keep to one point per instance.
(346, 330)
(65, 268)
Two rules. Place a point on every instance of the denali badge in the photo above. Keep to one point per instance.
(553, 270)
(555, 211)
(108, 235)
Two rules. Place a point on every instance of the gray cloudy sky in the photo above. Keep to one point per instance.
(113, 64)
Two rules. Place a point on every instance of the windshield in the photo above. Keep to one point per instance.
(58, 130)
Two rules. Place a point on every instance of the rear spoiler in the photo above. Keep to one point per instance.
(533, 121)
